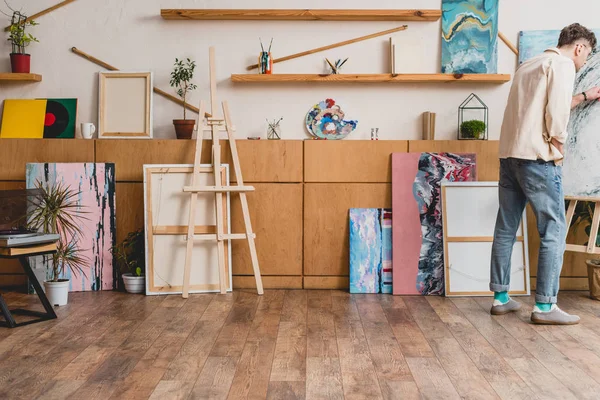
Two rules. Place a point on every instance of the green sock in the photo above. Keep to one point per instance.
(545, 307)
(502, 297)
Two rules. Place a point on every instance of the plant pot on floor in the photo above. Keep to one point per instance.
(134, 284)
(57, 292)
(594, 278)
(184, 128)
(20, 63)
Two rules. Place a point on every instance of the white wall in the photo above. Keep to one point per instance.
(132, 35)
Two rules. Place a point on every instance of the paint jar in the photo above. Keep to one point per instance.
(265, 63)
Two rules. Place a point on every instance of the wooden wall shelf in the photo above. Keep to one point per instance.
(371, 78)
(10, 77)
(301, 15)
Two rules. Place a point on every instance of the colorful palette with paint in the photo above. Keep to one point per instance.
(325, 120)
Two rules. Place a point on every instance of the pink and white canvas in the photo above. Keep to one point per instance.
(96, 184)
(417, 235)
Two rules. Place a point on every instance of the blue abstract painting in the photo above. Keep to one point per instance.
(533, 43)
(469, 36)
(370, 250)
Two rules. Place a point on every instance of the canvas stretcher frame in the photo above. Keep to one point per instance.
(123, 115)
(521, 241)
(153, 231)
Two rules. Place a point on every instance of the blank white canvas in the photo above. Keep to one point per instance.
(170, 207)
(469, 266)
(470, 210)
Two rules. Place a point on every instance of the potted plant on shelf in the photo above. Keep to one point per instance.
(20, 61)
(584, 213)
(473, 129)
(180, 78)
(57, 212)
(131, 259)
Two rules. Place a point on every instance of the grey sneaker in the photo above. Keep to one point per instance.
(555, 316)
(500, 309)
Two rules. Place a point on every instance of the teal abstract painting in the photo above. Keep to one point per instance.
(533, 43)
(469, 36)
(370, 250)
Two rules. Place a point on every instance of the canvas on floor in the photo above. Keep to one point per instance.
(370, 250)
(418, 255)
(96, 184)
(470, 36)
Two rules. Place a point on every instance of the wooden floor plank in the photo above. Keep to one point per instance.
(531, 371)
(189, 361)
(387, 357)
(359, 378)
(466, 377)
(407, 332)
(300, 344)
(575, 379)
(289, 361)
(251, 379)
(505, 381)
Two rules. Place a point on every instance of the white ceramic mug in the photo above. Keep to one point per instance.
(87, 130)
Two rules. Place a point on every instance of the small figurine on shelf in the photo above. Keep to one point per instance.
(335, 68)
(274, 130)
(374, 133)
(265, 61)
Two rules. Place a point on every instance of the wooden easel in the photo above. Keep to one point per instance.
(215, 126)
(591, 248)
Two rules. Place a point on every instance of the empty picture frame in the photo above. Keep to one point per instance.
(166, 211)
(125, 105)
(469, 218)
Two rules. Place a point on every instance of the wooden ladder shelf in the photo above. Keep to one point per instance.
(214, 126)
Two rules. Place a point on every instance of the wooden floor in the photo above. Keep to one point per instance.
(298, 344)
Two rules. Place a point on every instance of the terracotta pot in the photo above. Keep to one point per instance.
(20, 63)
(184, 128)
(594, 278)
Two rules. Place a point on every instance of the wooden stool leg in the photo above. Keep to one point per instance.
(594, 229)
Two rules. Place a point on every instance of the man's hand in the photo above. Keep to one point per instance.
(558, 145)
(593, 93)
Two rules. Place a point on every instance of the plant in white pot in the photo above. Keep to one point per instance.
(57, 211)
(180, 78)
(131, 259)
(584, 213)
(20, 61)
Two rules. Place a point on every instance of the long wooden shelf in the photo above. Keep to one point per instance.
(301, 15)
(12, 77)
(371, 78)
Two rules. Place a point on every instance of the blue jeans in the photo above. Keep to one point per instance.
(540, 184)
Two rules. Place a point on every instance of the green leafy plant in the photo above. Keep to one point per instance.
(56, 211)
(180, 78)
(131, 254)
(584, 212)
(473, 129)
(18, 38)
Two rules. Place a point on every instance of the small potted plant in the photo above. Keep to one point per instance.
(180, 78)
(131, 259)
(57, 212)
(20, 61)
(473, 129)
(584, 212)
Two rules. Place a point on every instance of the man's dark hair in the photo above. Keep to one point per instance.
(573, 33)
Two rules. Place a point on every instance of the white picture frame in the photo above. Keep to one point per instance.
(125, 105)
(469, 211)
(166, 211)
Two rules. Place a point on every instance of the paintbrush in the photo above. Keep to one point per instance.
(261, 45)
(270, 44)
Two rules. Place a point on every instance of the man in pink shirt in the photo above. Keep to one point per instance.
(533, 133)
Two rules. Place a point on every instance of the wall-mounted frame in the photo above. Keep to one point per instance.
(124, 105)
(469, 211)
(166, 211)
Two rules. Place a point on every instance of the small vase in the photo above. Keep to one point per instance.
(57, 292)
(20, 63)
(134, 284)
(265, 63)
(184, 128)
